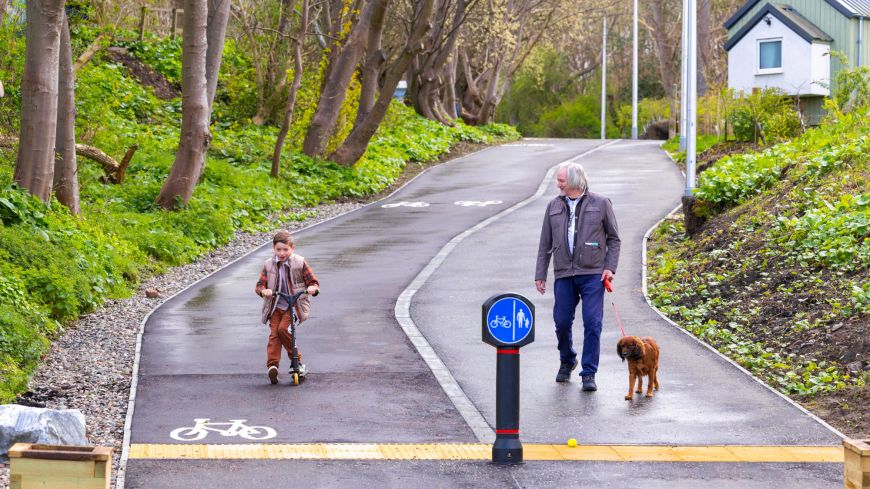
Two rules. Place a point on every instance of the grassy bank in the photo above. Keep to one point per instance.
(778, 279)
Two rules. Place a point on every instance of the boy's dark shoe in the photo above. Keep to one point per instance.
(565, 371)
(589, 382)
(273, 374)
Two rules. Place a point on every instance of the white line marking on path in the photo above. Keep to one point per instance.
(476, 421)
(476, 203)
(405, 204)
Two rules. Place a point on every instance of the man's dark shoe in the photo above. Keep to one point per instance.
(589, 383)
(565, 371)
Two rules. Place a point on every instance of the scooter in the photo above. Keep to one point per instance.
(297, 370)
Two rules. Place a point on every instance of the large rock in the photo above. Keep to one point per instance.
(22, 424)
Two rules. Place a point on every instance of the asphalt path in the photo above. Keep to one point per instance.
(203, 352)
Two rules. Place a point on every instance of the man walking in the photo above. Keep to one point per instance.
(581, 235)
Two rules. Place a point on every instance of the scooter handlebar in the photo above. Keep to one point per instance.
(291, 298)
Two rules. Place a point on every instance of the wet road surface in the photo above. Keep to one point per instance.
(203, 352)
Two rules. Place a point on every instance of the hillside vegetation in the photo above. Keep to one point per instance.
(55, 267)
(778, 278)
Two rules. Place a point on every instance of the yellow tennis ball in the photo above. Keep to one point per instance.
(572, 442)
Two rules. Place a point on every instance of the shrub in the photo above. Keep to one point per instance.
(766, 114)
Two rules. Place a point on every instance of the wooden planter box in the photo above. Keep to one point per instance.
(856, 464)
(57, 466)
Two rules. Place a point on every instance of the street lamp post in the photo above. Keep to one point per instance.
(603, 77)
(634, 75)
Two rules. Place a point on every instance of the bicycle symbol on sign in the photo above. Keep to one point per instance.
(500, 321)
(236, 427)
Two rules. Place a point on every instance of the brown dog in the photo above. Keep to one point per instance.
(643, 359)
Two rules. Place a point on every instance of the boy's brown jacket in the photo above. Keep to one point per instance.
(596, 240)
(298, 283)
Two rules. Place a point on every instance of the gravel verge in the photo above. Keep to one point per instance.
(89, 366)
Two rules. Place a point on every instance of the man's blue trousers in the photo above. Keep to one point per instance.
(569, 291)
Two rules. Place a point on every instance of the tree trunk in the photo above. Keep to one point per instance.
(664, 51)
(294, 89)
(450, 88)
(426, 84)
(335, 89)
(190, 156)
(354, 146)
(704, 47)
(218, 16)
(66, 183)
(371, 70)
(34, 167)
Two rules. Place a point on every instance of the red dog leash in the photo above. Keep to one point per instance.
(609, 287)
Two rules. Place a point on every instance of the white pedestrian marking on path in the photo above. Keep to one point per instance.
(405, 204)
(476, 203)
(235, 427)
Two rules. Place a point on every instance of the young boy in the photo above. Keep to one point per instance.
(288, 273)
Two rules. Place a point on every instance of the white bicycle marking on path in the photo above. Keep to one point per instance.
(405, 204)
(477, 203)
(236, 427)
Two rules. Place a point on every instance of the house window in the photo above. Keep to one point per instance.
(770, 56)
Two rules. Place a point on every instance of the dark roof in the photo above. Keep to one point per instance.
(849, 8)
(788, 16)
(860, 7)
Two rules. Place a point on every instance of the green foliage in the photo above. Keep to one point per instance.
(702, 143)
(794, 230)
(539, 86)
(164, 55)
(831, 235)
(767, 114)
(11, 67)
(649, 110)
(576, 118)
(105, 90)
(852, 85)
(735, 178)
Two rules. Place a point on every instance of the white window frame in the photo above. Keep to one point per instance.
(768, 71)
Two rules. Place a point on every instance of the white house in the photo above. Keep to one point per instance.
(788, 46)
(780, 48)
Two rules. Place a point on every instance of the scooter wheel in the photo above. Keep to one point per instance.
(295, 378)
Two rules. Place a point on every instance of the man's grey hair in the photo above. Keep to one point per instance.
(576, 176)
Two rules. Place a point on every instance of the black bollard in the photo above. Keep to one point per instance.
(508, 323)
(507, 449)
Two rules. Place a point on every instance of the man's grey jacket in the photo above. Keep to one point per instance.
(596, 240)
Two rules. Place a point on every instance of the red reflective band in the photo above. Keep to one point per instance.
(507, 432)
(509, 352)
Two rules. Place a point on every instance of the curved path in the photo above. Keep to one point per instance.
(203, 351)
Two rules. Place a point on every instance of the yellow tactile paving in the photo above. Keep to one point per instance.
(476, 451)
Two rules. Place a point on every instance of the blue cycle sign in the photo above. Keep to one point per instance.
(508, 320)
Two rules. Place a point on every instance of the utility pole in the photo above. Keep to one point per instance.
(634, 76)
(691, 221)
(684, 59)
(691, 110)
(603, 77)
